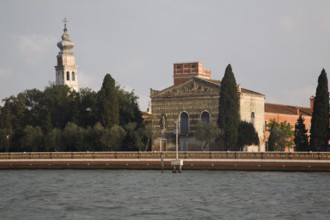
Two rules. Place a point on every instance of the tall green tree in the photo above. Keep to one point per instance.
(247, 135)
(32, 100)
(59, 102)
(14, 114)
(300, 135)
(229, 118)
(280, 137)
(108, 103)
(128, 108)
(320, 117)
(6, 128)
(16, 109)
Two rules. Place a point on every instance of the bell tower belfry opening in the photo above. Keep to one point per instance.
(66, 68)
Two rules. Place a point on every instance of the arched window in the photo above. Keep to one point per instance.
(205, 117)
(184, 123)
(73, 76)
(252, 118)
(67, 75)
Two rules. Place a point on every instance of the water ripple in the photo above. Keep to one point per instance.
(129, 194)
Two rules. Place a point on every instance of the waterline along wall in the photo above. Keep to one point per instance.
(213, 160)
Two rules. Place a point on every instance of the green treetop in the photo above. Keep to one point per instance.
(280, 136)
(320, 117)
(228, 119)
(108, 103)
(300, 135)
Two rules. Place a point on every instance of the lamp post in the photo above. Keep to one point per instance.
(177, 139)
(177, 163)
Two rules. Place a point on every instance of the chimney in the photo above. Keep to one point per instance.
(311, 102)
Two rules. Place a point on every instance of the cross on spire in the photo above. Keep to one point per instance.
(65, 21)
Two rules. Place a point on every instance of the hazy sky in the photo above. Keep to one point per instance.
(275, 47)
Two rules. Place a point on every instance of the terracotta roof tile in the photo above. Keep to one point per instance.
(287, 109)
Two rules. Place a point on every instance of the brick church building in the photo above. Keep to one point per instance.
(194, 97)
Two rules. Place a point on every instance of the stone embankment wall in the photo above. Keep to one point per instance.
(263, 161)
(169, 155)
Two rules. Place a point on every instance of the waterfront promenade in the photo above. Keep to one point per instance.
(192, 160)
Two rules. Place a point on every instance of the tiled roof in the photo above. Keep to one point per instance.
(212, 81)
(218, 82)
(287, 109)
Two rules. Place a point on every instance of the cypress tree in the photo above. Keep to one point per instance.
(108, 103)
(320, 117)
(300, 135)
(229, 118)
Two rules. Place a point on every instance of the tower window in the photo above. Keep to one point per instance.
(73, 76)
(68, 75)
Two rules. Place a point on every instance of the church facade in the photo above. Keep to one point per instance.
(66, 70)
(194, 97)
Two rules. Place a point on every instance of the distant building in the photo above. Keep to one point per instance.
(66, 69)
(288, 113)
(146, 117)
(194, 97)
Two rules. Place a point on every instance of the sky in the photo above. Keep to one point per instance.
(275, 47)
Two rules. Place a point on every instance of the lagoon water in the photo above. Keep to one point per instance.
(132, 194)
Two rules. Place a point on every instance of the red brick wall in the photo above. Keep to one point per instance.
(184, 71)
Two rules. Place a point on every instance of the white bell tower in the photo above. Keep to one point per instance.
(66, 68)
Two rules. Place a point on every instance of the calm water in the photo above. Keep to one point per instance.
(125, 194)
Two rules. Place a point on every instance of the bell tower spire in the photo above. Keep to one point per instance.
(66, 68)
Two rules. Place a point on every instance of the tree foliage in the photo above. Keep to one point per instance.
(128, 107)
(320, 117)
(108, 103)
(60, 119)
(206, 132)
(280, 137)
(300, 135)
(53, 140)
(73, 137)
(112, 137)
(142, 138)
(32, 138)
(229, 118)
(247, 135)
